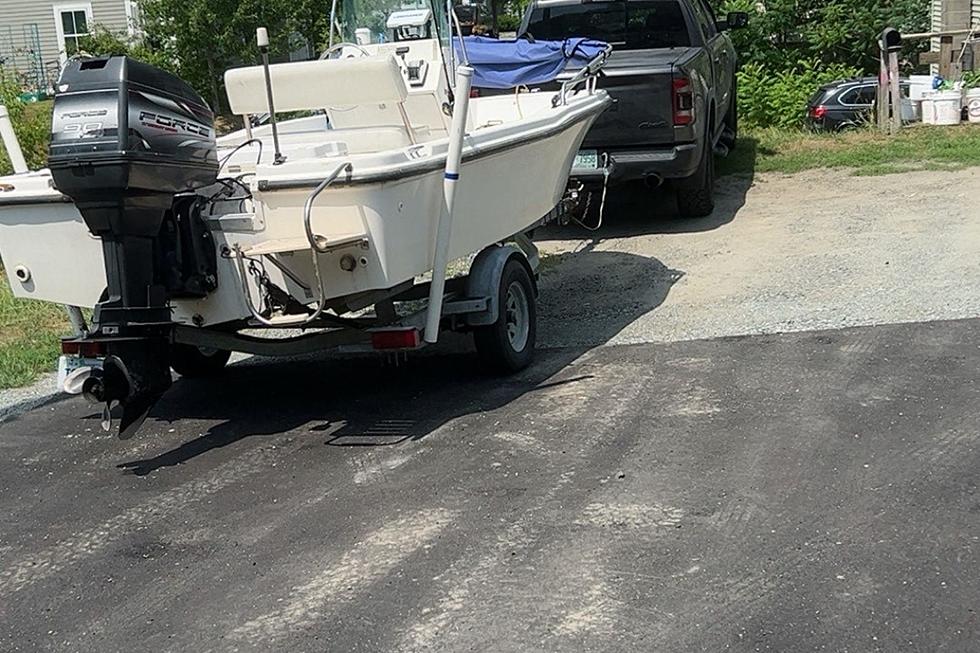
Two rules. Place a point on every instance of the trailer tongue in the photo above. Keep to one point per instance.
(128, 141)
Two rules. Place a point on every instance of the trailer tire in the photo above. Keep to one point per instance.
(195, 362)
(507, 345)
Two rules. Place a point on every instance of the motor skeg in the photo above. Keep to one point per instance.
(127, 138)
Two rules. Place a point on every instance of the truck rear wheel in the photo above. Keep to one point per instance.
(195, 362)
(696, 194)
(507, 345)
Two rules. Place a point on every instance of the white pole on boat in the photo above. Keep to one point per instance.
(10, 142)
(457, 132)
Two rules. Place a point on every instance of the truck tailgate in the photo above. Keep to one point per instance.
(640, 83)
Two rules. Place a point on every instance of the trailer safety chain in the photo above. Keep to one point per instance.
(257, 270)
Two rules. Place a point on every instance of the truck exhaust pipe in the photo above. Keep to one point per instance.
(653, 181)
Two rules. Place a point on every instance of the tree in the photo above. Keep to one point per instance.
(782, 33)
(200, 39)
(104, 42)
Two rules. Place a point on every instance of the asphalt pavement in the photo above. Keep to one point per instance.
(814, 490)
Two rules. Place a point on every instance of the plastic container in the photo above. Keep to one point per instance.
(973, 104)
(910, 111)
(927, 109)
(944, 108)
(920, 84)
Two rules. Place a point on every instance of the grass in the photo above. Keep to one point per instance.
(865, 152)
(29, 335)
(33, 131)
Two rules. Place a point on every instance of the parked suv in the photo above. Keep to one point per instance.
(849, 103)
(672, 79)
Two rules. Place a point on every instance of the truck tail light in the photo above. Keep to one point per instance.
(683, 96)
(818, 112)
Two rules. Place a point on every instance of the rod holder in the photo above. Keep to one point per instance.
(454, 156)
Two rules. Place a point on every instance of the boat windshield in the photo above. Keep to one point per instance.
(384, 21)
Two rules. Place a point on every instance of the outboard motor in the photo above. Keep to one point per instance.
(130, 143)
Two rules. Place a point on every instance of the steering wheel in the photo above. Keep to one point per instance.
(338, 50)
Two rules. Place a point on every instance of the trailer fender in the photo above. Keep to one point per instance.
(484, 279)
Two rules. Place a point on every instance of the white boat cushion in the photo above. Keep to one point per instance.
(311, 85)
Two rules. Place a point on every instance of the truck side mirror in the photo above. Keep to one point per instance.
(735, 20)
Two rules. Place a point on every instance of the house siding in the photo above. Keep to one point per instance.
(952, 15)
(18, 20)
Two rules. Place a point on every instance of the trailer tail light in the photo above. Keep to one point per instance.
(83, 348)
(408, 338)
(683, 96)
(818, 112)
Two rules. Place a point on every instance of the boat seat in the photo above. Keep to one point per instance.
(371, 90)
(312, 85)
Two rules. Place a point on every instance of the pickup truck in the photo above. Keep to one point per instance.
(672, 79)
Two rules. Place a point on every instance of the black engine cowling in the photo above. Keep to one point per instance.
(129, 144)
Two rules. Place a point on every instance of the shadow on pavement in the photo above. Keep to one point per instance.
(368, 401)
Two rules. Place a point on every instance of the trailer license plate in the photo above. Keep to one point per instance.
(586, 159)
(68, 364)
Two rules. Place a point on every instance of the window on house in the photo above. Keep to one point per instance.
(75, 26)
(73, 22)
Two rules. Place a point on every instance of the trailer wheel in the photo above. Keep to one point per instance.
(194, 362)
(507, 345)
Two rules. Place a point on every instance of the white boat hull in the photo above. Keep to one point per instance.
(388, 225)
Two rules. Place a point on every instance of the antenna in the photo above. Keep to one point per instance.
(262, 38)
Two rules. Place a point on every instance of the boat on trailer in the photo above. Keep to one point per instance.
(335, 224)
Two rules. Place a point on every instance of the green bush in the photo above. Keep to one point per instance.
(778, 98)
(782, 32)
(508, 22)
(32, 124)
(104, 42)
(971, 79)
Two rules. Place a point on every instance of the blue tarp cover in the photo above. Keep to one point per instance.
(508, 64)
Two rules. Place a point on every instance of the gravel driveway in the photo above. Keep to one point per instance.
(817, 250)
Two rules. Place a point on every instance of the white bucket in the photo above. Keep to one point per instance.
(947, 108)
(920, 85)
(973, 104)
